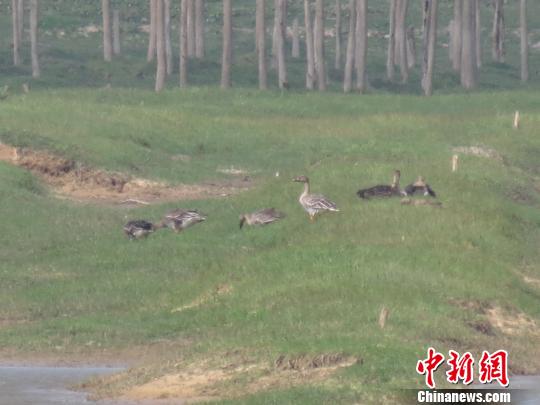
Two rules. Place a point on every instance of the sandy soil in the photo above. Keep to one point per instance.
(75, 181)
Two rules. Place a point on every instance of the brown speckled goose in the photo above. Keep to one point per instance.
(314, 204)
(262, 217)
(180, 219)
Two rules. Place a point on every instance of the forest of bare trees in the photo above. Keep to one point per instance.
(290, 38)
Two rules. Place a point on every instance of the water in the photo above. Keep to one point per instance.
(46, 385)
(525, 389)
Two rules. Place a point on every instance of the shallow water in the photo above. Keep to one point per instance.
(50, 386)
(525, 389)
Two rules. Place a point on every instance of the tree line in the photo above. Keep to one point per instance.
(464, 50)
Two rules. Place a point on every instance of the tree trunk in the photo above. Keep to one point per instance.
(295, 52)
(524, 41)
(361, 44)
(107, 37)
(152, 37)
(319, 45)
(310, 45)
(161, 70)
(390, 60)
(199, 29)
(411, 47)
(183, 44)
(167, 30)
(456, 41)
(191, 28)
(260, 29)
(280, 20)
(227, 45)
(116, 32)
(397, 38)
(337, 61)
(401, 38)
(351, 49)
(497, 35)
(478, 35)
(275, 35)
(34, 14)
(15, 31)
(468, 53)
(20, 16)
(429, 42)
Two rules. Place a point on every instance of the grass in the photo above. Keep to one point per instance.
(70, 282)
(78, 284)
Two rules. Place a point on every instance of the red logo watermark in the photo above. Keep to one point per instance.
(491, 367)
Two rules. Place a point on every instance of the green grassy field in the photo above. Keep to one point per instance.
(71, 282)
(72, 285)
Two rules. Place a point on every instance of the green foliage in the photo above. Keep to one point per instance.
(71, 57)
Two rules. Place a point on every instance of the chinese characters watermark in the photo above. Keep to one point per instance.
(491, 367)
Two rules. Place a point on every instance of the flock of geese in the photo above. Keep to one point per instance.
(314, 204)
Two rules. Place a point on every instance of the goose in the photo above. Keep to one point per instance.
(420, 186)
(180, 219)
(140, 228)
(262, 217)
(383, 190)
(313, 204)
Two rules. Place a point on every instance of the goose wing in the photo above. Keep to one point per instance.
(376, 191)
(319, 202)
(176, 214)
(182, 215)
(139, 224)
(410, 189)
(268, 215)
(430, 191)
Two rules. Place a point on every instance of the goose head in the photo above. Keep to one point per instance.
(420, 182)
(301, 179)
(242, 220)
(397, 176)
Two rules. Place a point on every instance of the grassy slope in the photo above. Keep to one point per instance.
(69, 273)
(297, 287)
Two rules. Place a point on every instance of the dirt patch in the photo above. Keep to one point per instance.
(305, 362)
(231, 376)
(221, 289)
(512, 322)
(235, 171)
(521, 196)
(532, 281)
(189, 386)
(73, 180)
(480, 151)
(484, 327)
(471, 305)
(10, 322)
